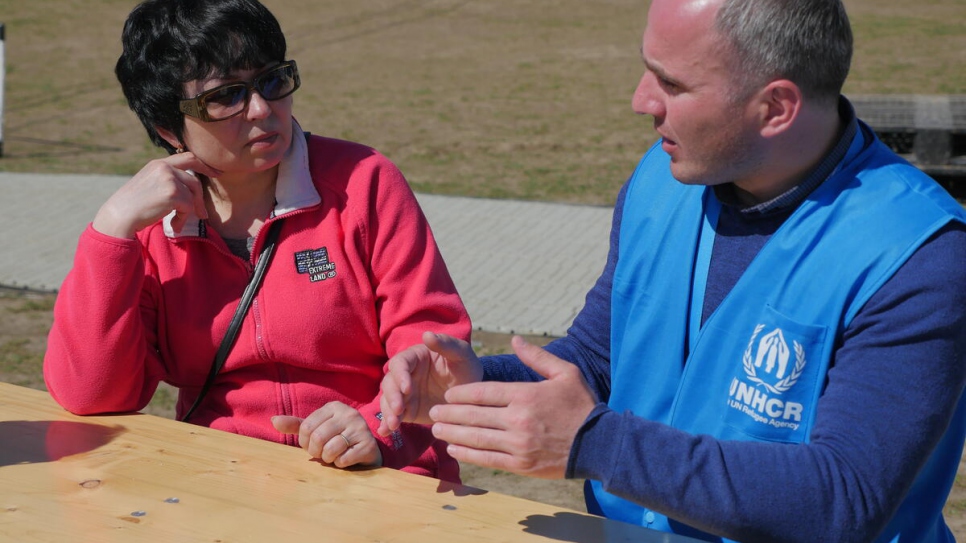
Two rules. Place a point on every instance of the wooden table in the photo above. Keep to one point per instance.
(144, 478)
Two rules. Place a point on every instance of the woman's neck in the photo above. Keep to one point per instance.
(237, 207)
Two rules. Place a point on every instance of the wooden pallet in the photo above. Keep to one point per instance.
(929, 130)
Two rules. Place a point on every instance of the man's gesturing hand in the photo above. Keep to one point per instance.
(417, 378)
(525, 428)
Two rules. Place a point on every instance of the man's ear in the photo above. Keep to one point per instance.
(781, 103)
(169, 137)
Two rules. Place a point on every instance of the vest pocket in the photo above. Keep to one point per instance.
(772, 370)
(773, 393)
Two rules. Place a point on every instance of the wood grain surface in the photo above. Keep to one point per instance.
(137, 477)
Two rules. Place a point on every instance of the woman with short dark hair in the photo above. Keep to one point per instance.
(355, 276)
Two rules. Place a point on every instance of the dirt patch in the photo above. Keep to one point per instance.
(562, 493)
(25, 319)
(501, 99)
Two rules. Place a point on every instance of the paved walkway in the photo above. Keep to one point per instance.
(521, 267)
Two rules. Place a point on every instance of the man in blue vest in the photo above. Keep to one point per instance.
(775, 349)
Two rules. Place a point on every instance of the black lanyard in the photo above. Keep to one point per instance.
(246, 300)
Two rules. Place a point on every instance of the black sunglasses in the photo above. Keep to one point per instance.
(226, 101)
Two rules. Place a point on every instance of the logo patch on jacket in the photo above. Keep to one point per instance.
(771, 370)
(315, 263)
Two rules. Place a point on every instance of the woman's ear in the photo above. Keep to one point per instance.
(781, 104)
(169, 137)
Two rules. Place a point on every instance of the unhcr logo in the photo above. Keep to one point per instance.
(768, 364)
(773, 354)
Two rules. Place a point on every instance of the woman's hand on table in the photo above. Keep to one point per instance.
(336, 433)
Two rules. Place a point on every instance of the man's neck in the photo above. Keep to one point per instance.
(793, 156)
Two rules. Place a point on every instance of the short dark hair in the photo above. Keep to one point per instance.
(808, 42)
(167, 43)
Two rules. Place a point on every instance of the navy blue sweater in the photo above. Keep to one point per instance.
(894, 383)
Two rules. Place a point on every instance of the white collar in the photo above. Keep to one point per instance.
(294, 188)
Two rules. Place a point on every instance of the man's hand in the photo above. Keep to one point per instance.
(524, 428)
(417, 378)
(335, 433)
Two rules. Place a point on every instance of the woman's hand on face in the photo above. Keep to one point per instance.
(335, 433)
(162, 186)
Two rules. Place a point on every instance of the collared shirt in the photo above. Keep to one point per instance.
(741, 232)
(794, 196)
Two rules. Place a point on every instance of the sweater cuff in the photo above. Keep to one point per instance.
(90, 235)
(403, 446)
(596, 446)
(373, 416)
(507, 368)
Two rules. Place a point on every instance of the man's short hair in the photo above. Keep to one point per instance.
(808, 42)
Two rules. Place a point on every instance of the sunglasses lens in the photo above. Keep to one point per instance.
(226, 101)
(230, 100)
(276, 84)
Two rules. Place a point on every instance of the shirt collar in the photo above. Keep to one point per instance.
(795, 195)
(294, 188)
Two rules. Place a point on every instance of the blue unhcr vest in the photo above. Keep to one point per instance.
(757, 366)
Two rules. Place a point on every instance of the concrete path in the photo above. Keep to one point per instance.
(521, 267)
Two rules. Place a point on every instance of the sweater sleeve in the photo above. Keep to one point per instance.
(101, 354)
(894, 386)
(587, 343)
(413, 291)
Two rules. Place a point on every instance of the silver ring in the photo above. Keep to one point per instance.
(347, 444)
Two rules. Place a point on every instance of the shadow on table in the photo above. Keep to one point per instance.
(459, 490)
(30, 442)
(579, 528)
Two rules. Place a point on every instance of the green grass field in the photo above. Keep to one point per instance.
(503, 99)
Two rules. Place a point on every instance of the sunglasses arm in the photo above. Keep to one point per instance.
(190, 107)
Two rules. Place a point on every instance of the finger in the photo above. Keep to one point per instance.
(462, 362)
(191, 165)
(178, 221)
(286, 424)
(363, 452)
(490, 393)
(449, 347)
(190, 161)
(197, 193)
(400, 368)
(323, 414)
(335, 447)
(397, 385)
(390, 421)
(489, 459)
(469, 415)
(316, 430)
(402, 400)
(189, 196)
(539, 359)
(488, 439)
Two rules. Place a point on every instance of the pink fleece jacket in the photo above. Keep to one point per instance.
(356, 277)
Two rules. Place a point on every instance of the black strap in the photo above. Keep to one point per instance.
(246, 300)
